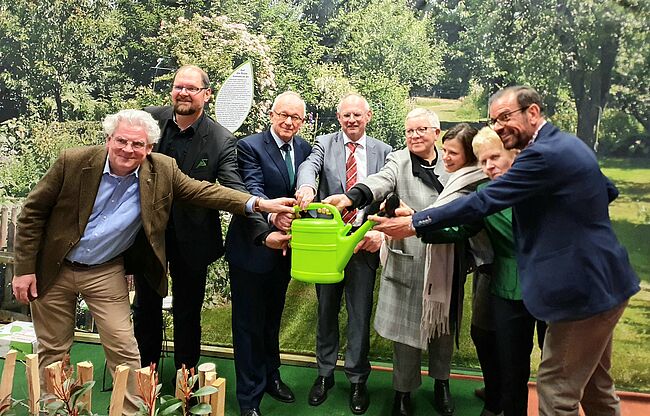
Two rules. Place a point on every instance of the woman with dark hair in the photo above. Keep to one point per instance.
(447, 265)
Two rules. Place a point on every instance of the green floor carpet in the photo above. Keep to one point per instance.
(298, 377)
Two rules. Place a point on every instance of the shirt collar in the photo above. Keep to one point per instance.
(278, 141)
(361, 142)
(194, 125)
(536, 133)
(107, 169)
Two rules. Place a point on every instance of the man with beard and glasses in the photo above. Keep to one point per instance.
(204, 150)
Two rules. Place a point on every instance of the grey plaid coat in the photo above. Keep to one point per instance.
(399, 308)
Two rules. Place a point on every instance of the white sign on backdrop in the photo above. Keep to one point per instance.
(235, 98)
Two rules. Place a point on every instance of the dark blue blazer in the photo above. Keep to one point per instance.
(571, 265)
(264, 172)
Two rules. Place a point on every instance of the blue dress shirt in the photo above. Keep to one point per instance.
(114, 222)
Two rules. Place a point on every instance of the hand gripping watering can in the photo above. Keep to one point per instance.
(320, 247)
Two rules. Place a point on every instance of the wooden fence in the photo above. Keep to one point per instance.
(54, 384)
(10, 309)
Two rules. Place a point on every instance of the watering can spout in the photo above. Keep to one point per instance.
(347, 243)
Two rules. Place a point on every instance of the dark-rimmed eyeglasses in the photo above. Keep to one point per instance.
(284, 116)
(190, 90)
(505, 117)
(420, 131)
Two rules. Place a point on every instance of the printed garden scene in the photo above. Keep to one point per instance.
(69, 68)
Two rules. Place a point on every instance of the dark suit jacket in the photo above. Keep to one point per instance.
(211, 158)
(56, 212)
(264, 172)
(571, 265)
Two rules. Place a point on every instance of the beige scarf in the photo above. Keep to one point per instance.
(439, 261)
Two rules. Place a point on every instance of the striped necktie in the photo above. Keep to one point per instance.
(350, 178)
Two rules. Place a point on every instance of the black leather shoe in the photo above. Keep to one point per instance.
(318, 392)
(359, 398)
(280, 391)
(251, 412)
(402, 404)
(442, 400)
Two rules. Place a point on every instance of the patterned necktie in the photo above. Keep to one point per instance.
(350, 179)
(286, 148)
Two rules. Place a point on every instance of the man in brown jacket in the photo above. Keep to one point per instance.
(96, 212)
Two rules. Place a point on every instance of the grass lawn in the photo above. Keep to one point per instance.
(631, 219)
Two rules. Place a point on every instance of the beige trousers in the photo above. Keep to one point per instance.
(105, 291)
(575, 367)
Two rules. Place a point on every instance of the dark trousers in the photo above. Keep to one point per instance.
(486, 349)
(515, 330)
(188, 291)
(257, 304)
(358, 286)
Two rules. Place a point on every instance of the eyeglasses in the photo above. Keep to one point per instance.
(121, 142)
(505, 117)
(348, 116)
(420, 131)
(285, 116)
(190, 90)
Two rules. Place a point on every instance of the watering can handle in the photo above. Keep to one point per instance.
(318, 205)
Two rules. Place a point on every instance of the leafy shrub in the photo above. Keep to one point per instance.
(32, 146)
(565, 116)
(474, 105)
(387, 98)
(622, 135)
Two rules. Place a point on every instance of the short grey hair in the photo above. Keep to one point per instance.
(366, 105)
(290, 94)
(423, 112)
(136, 118)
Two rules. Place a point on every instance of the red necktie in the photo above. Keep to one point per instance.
(350, 179)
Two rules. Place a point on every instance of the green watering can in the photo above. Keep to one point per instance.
(320, 247)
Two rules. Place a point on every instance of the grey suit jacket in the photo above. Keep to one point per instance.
(399, 308)
(327, 162)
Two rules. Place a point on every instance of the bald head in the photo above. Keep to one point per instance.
(353, 113)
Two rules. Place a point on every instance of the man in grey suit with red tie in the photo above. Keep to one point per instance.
(340, 160)
(574, 273)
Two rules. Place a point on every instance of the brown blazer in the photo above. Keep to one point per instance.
(56, 211)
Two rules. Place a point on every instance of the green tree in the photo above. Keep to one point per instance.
(552, 45)
(143, 19)
(293, 41)
(386, 38)
(631, 85)
(49, 48)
